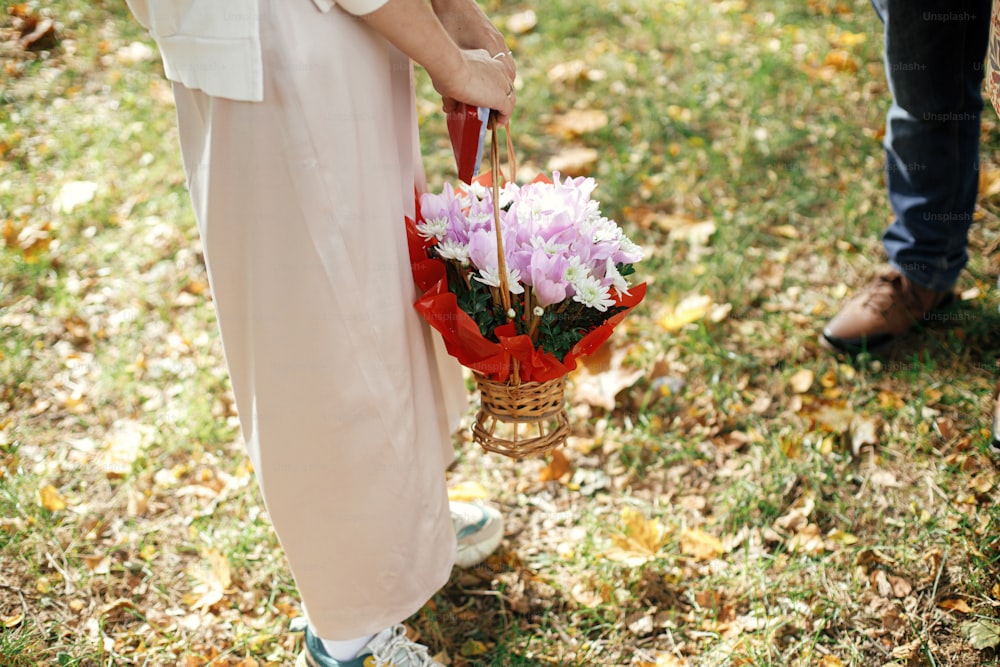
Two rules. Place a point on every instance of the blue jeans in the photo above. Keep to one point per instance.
(934, 62)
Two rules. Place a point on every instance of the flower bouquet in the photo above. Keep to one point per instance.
(520, 280)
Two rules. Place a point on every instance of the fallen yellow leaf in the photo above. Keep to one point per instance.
(640, 541)
(12, 621)
(472, 648)
(841, 60)
(690, 309)
(50, 498)
(468, 491)
(700, 545)
(664, 660)
(802, 380)
(786, 231)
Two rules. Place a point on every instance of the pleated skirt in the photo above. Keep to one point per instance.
(346, 400)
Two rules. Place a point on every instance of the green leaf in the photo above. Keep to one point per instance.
(982, 634)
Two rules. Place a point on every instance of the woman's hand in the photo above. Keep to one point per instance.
(469, 26)
(474, 76)
(483, 81)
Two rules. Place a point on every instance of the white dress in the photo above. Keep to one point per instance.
(345, 400)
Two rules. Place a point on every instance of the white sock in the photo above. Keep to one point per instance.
(346, 650)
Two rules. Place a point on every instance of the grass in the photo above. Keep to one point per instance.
(854, 520)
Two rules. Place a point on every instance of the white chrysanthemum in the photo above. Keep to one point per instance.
(606, 230)
(435, 228)
(630, 249)
(453, 250)
(618, 281)
(479, 219)
(507, 194)
(576, 271)
(591, 293)
(491, 276)
(477, 190)
(550, 247)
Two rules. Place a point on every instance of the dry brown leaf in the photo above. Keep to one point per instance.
(666, 222)
(213, 581)
(830, 661)
(880, 580)
(841, 60)
(983, 482)
(602, 376)
(585, 595)
(807, 541)
(125, 440)
(558, 466)
(664, 660)
(982, 633)
(99, 564)
(989, 182)
(955, 604)
(901, 586)
(908, 651)
(864, 430)
(574, 161)
(574, 70)
(700, 545)
(797, 516)
(576, 122)
(698, 233)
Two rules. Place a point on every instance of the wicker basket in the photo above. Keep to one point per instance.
(519, 420)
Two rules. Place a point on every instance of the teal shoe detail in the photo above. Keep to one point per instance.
(478, 529)
(314, 655)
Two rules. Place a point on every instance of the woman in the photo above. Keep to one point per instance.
(298, 135)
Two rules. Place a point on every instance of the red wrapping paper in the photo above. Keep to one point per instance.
(464, 341)
(467, 130)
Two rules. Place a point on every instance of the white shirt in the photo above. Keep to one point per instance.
(214, 45)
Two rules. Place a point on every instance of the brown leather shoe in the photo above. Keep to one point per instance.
(887, 307)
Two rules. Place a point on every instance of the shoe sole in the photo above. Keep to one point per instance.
(474, 554)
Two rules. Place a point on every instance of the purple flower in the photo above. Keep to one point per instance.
(548, 272)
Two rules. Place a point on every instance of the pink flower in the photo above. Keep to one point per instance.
(548, 273)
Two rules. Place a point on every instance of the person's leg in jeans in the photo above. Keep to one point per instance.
(934, 52)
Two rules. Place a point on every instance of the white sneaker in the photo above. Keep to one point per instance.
(389, 648)
(392, 648)
(479, 529)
